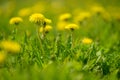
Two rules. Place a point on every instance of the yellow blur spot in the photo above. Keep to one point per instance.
(87, 41)
(2, 56)
(38, 7)
(24, 12)
(61, 25)
(10, 46)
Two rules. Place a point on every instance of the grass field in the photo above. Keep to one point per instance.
(59, 40)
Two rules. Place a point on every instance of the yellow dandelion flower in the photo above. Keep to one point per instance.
(15, 20)
(87, 41)
(48, 21)
(71, 26)
(10, 46)
(61, 25)
(24, 12)
(47, 28)
(37, 18)
(97, 9)
(2, 56)
(82, 16)
(65, 17)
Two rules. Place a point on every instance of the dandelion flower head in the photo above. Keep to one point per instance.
(97, 9)
(72, 26)
(15, 20)
(82, 16)
(65, 17)
(48, 21)
(37, 18)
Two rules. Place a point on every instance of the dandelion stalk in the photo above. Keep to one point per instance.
(69, 42)
(43, 33)
(39, 38)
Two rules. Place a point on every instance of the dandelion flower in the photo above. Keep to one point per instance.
(98, 9)
(82, 16)
(48, 21)
(15, 20)
(37, 18)
(2, 56)
(65, 17)
(47, 28)
(10, 46)
(24, 12)
(71, 26)
(87, 41)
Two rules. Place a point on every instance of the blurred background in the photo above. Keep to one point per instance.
(50, 8)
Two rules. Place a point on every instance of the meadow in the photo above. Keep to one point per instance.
(59, 40)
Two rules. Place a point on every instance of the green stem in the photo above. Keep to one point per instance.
(39, 38)
(14, 32)
(43, 34)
